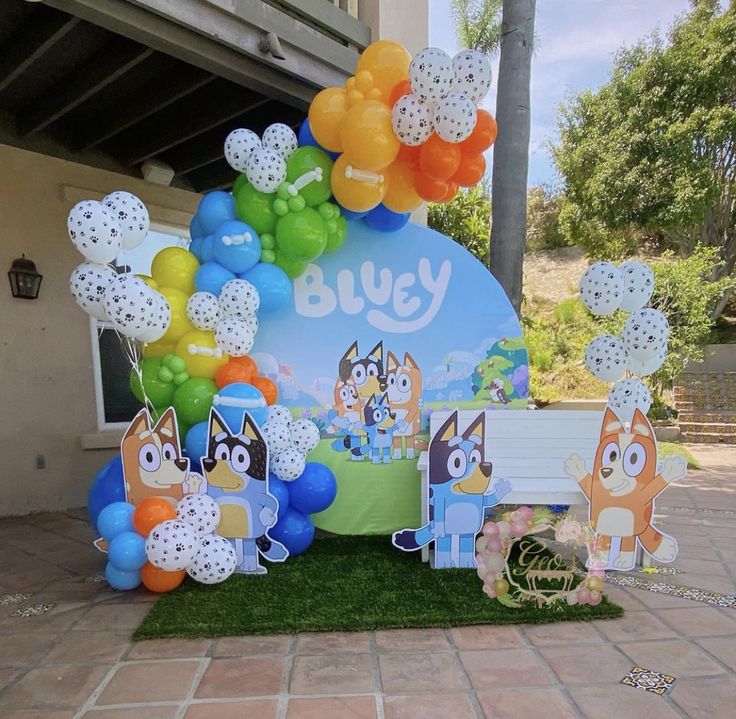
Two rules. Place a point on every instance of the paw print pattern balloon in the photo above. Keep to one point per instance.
(602, 288)
(431, 74)
(605, 358)
(281, 138)
(288, 465)
(215, 561)
(239, 298)
(455, 117)
(88, 283)
(628, 395)
(132, 216)
(239, 145)
(642, 369)
(203, 310)
(172, 545)
(411, 120)
(199, 510)
(277, 436)
(266, 169)
(95, 232)
(645, 334)
(638, 285)
(473, 75)
(234, 337)
(130, 304)
(158, 321)
(304, 435)
(279, 413)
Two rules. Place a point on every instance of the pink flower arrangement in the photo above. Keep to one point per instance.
(569, 530)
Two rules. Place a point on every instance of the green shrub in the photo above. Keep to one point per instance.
(467, 220)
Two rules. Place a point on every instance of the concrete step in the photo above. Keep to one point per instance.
(708, 438)
(697, 415)
(707, 428)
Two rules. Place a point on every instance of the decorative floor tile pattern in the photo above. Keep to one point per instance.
(728, 601)
(648, 680)
(36, 610)
(6, 599)
(660, 570)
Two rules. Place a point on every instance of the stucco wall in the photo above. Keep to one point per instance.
(47, 397)
(406, 21)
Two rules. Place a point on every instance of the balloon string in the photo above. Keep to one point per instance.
(132, 351)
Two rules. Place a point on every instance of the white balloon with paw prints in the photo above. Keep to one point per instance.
(602, 288)
(172, 545)
(645, 334)
(605, 358)
(215, 561)
(199, 510)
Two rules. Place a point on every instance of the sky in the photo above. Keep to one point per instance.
(576, 40)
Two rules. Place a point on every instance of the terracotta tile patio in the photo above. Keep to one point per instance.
(76, 659)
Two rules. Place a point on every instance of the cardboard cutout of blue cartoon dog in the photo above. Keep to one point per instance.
(460, 490)
(236, 474)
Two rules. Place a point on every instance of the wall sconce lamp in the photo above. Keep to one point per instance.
(25, 280)
(269, 44)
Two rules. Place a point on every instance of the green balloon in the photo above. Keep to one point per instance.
(165, 374)
(301, 235)
(293, 268)
(159, 393)
(304, 160)
(256, 209)
(268, 256)
(336, 238)
(242, 180)
(177, 364)
(193, 400)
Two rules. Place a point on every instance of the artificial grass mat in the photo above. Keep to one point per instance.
(344, 584)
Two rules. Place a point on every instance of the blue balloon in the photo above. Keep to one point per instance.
(314, 491)
(127, 551)
(350, 215)
(122, 579)
(384, 220)
(214, 208)
(195, 466)
(195, 247)
(236, 257)
(233, 416)
(108, 487)
(273, 285)
(306, 137)
(196, 440)
(195, 228)
(211, 276)
(294, 530)
(207, 251)
(115, 519)
(279, 490)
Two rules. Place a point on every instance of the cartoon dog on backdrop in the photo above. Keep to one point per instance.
(622, 487)
(345, 419)
(236, 474)
(153, 465)
(459, 493)
(404, 382)
(380, 425)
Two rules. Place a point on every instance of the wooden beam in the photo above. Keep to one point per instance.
(216, 175)
(81, 84)
(27, 45)
(161, 93)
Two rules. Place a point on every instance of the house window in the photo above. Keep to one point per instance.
(116, 404)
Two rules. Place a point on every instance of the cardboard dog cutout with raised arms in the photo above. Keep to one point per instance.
(621, 490)
(460, 490)
(236, 476)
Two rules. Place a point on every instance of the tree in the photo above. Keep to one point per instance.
(543, 231)
(478, 24)
(652, 151)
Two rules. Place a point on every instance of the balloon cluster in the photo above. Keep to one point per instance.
(100, 231)
(642, 347)
(403, 130)
(157, 544)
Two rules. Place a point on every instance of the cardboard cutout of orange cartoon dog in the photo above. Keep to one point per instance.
(622, 487)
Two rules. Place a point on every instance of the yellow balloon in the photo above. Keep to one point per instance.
(159, 349)
(388, 62)
(200, 365)
(400, 195)
(326, 114)
(368, 138)
(175, 267)
(149, 281)
(353, 193)
(180, 323)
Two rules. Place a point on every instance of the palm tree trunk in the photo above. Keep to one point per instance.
(511, 151)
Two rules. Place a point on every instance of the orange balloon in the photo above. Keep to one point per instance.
(401, 195)
(248, 362)
(430, 188)
(409, 155)
(326, 114)
(159, 580)
(438, 158)
(471, 171)
(233, 372)
(482, 137)
(367, 136)
(388, 62)
(358, 194)
(151, 512)
(268, 389)
(400, 89)
(452, 189)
